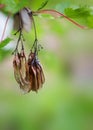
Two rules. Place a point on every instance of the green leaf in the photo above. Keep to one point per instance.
(82, 15)
(90, 21)
(4, 53)
(5, 42)
(62, 6)
(78, 12)
(13, 6)
(43, 5)
(80, 2)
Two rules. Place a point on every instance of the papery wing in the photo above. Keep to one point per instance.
(19, 64)
(33, 79)
(41, 73)
(17, 75)
(35, 85)
(26, 19)
(39, 80)
(16, 65)
(25, 88)
(42, 76)
(23, 65)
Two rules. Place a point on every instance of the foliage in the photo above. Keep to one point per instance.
(83, 14)
(13, 6)
(4, 53)
(5, 42)
(43, 5)
(78, 12)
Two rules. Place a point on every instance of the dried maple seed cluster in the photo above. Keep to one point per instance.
(27, 72)
(20, 70)
(36, 75)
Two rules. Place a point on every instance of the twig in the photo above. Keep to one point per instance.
(2, 6)
(58, 14)
(34, 27)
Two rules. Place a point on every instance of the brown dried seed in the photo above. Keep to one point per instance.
(32, 72)
(19, 64)
(35, 72)
(16, 65)
(35, 86)
(29, 75)
(24, 73)
(33, 79)
(23, 64)
(41, 73)
(39, 78)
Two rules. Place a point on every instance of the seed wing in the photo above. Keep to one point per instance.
(33, 78)
(41, 73)
(26, 20)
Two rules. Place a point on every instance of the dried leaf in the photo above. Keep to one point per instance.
(41, 73)
(19, 64)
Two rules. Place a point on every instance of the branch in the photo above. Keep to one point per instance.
(58, 14)
(2, 6)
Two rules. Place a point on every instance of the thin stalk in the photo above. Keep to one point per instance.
(16, 49)
(20, 35)
(58, 14)
(35, 41)
(34, 27)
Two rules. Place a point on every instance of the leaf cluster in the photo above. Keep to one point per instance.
(83, 15)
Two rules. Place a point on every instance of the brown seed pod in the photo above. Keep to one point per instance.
(32, 72)
(17, 65)
(38, 78)
(23, 72)
(36, 75)
(20, 71)
(41, 73)
(33, 79)
(28, 74)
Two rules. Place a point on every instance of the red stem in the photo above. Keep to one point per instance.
(2, 6)
(4, 28)
(56, 13)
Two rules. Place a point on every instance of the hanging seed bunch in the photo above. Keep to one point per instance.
(28, 71)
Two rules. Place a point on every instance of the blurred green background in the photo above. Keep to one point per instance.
(66, 100)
